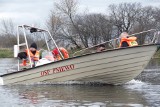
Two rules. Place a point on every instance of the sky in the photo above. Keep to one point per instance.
(37, 11)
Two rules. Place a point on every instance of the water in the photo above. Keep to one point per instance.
(144, 91)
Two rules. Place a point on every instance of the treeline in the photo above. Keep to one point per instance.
(71, 29)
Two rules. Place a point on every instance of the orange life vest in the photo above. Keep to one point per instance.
(63, 51)
(34, 57)
(131, 41)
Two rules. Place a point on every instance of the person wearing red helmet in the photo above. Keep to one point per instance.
(57, 55)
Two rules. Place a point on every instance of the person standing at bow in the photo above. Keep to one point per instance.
(127, 41)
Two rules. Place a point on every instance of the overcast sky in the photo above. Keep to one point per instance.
(37, 11)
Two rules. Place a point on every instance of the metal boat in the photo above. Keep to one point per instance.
(113, 66)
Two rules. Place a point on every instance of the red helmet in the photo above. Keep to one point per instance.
(55, 51)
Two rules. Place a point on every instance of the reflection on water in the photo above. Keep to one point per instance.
(144, 91)
(76, 95)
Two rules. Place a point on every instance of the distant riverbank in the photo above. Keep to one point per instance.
(6, 53)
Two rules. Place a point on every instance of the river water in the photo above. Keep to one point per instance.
(144, 91)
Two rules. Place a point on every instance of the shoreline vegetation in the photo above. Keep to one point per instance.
(6, 53)
(71, 29)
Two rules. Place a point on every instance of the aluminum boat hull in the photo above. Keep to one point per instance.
(115, 67)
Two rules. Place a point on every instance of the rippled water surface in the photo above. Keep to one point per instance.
(144, 91)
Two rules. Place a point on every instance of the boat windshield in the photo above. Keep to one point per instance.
(46, 57)
(47, 54)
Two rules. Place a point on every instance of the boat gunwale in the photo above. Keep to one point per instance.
(158, 46)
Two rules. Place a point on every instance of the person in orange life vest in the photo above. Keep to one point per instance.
(32, 52)
(57, 55)
(127, 41)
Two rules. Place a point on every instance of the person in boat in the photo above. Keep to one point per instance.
(100, 48)
(127, 41)
(57, 55)
(32, 52)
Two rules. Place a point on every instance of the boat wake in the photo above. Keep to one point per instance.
(150, 91)
(134, 84)
(1, 81)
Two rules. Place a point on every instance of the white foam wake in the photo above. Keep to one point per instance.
(1, 81)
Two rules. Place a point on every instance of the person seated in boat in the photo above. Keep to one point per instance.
(100, 48)
(127, 41)
(57, 55)
(32, 52)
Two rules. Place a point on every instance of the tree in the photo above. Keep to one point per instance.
(8, 34)
(62, 23)
(124, 15)
(84, 30)
(94, 28)
(145, 21)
